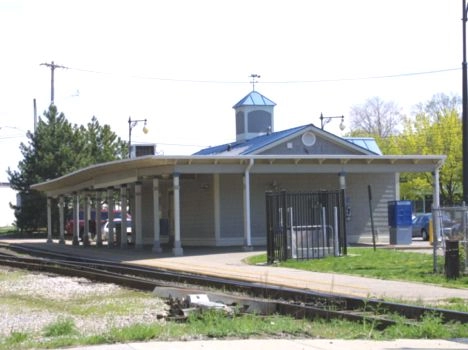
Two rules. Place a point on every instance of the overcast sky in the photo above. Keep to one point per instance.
(183, 64)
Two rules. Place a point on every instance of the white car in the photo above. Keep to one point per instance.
(117, 223)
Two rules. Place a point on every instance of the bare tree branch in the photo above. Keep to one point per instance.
(375, 117)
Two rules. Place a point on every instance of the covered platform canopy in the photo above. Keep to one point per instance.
(133, 172)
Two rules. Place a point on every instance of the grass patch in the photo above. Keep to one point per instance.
(60, 328)
(14, 340)
(386, 263)
(5, 230)
(429, 327)
(215, 324)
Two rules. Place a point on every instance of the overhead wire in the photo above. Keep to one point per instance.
(14, 136)
(327, 80)
(313, 81)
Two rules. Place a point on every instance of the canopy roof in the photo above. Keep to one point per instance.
(101, 176)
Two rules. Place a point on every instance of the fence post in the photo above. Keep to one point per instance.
(324, 228)
(335, 232)
(284, 229)
(371, 214)
(344, 240)
(435, 238)
(270, 244)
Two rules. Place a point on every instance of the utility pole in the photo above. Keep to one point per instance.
(464, 108)
(35, 114)
(52, 67)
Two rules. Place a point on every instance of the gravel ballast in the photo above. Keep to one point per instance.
(31, 301)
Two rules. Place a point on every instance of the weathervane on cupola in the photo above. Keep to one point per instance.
(254, 114)
(254, 76)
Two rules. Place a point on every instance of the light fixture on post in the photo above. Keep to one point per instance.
(325, 120)
(131, 125)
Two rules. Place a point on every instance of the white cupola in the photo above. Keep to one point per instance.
(254, 116)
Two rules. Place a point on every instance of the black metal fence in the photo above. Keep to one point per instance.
(305, 225)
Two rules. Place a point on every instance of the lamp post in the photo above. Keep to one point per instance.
(131, 125)
(464, 109)
(325, 120)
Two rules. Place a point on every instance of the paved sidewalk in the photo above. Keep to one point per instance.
(286, 344)
(231, 265)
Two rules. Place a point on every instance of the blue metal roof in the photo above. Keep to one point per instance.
(254, 98)
(367, 143)
(250, 146)
(247, 147)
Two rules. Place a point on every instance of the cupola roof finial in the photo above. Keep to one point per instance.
(254, 76)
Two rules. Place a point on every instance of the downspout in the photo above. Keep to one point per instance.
(247, 233)
(435, 217)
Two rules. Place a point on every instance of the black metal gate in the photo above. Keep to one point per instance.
(305, 225)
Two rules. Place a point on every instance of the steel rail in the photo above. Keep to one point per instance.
(78, 269)
(301, 303)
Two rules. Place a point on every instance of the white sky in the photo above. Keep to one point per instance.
(183, 64)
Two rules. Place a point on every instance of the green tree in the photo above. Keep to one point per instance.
(435, 129)
(101, 144)
(53, 150)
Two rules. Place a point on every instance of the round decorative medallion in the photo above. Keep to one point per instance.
(308, 139)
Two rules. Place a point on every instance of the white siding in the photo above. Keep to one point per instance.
(358, 225)
(231, 208)
(383, 190)
(197, 210)
(197, 205)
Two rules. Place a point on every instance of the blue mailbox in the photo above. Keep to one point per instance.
(399, 213)
(400, 221)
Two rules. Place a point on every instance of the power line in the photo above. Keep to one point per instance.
(399, 75)
(327, 80)
(12, 137)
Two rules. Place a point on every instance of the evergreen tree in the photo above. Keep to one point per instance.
(101, 144)
(53, 150)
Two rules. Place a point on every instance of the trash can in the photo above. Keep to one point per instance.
(452, 259)
(400, 221)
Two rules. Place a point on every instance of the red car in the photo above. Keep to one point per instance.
(92, 222)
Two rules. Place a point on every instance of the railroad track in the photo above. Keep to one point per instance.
(257, 296)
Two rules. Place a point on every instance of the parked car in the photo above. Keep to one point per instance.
(421, 226)
(92, 222)
(117, 224)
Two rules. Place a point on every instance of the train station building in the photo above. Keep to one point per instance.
(216, 197)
